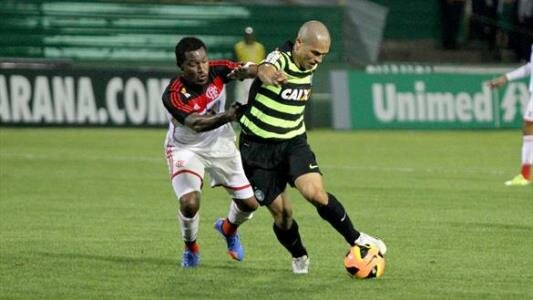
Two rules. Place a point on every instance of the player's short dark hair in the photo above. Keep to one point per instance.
(187, 44)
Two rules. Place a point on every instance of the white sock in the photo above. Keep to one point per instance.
(237, 216)
(527, 150)
(189, 227)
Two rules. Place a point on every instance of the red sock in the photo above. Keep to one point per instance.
(192, 246)
(526, 171)
(228, 228)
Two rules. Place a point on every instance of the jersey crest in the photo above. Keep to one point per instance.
(212, 92)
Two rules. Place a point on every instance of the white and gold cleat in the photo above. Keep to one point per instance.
(365, 239)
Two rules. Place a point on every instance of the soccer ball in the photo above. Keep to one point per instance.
(364, 261)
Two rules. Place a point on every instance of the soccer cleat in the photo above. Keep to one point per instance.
(300, 265)
(518, 180)
(235, 249)
(190, 259)
(365, 239)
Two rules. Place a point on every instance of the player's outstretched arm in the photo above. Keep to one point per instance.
(498, 82)
(208, 122)
(268, 74)
(515, 74)
(248, 70)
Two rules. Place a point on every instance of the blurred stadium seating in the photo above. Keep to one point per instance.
(145, 33)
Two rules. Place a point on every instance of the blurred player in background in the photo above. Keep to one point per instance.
(524, 178)
(274, 146)
(200, 139)
(247, 50)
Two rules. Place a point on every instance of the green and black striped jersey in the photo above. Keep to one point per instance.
(277, 112)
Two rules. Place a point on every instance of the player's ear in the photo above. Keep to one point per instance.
(298, 43)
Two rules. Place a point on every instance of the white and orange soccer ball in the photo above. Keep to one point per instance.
(364, 261)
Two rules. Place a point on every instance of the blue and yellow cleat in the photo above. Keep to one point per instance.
(235, 249)
(518, 180)
(190, 259)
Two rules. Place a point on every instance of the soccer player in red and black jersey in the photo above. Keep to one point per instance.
(200, 138)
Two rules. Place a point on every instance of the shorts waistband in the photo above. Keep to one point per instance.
(254, 138)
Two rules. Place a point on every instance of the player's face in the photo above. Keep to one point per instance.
(196, 66)
(312, 53)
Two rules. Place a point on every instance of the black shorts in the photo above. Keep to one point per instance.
(271, 165)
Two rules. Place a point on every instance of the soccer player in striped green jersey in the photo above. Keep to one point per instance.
(274, 146)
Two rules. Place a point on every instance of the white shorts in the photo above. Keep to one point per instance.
(528, 114)
(222, 161)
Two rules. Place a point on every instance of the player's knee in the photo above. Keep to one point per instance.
(252, 204)
(190, 204)
(312, 189)
(316, 196)
(247, 205)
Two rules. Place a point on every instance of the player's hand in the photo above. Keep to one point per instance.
(236, 105)
(231, 113)
(497, 82)
(280, 78)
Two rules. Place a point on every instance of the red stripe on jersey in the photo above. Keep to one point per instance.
(174, 99)
(176, 85)
(227, 63)
(177, 103)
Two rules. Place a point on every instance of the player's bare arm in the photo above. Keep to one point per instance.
(201, 123)
(248, 70)
(498, 82)
(268, 74)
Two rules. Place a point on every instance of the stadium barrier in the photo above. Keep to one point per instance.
(82, 96)
(42, 93)
(425, 97)
(411, 97)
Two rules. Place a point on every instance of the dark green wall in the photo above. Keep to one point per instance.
(412, 19)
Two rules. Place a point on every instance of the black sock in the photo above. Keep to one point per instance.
(335, 214)
(290, 239)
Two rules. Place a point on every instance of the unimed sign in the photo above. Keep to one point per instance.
(82, 97)
(431, 100)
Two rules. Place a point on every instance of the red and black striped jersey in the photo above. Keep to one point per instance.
(181, 99)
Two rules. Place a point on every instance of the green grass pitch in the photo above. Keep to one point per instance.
(89, 213)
